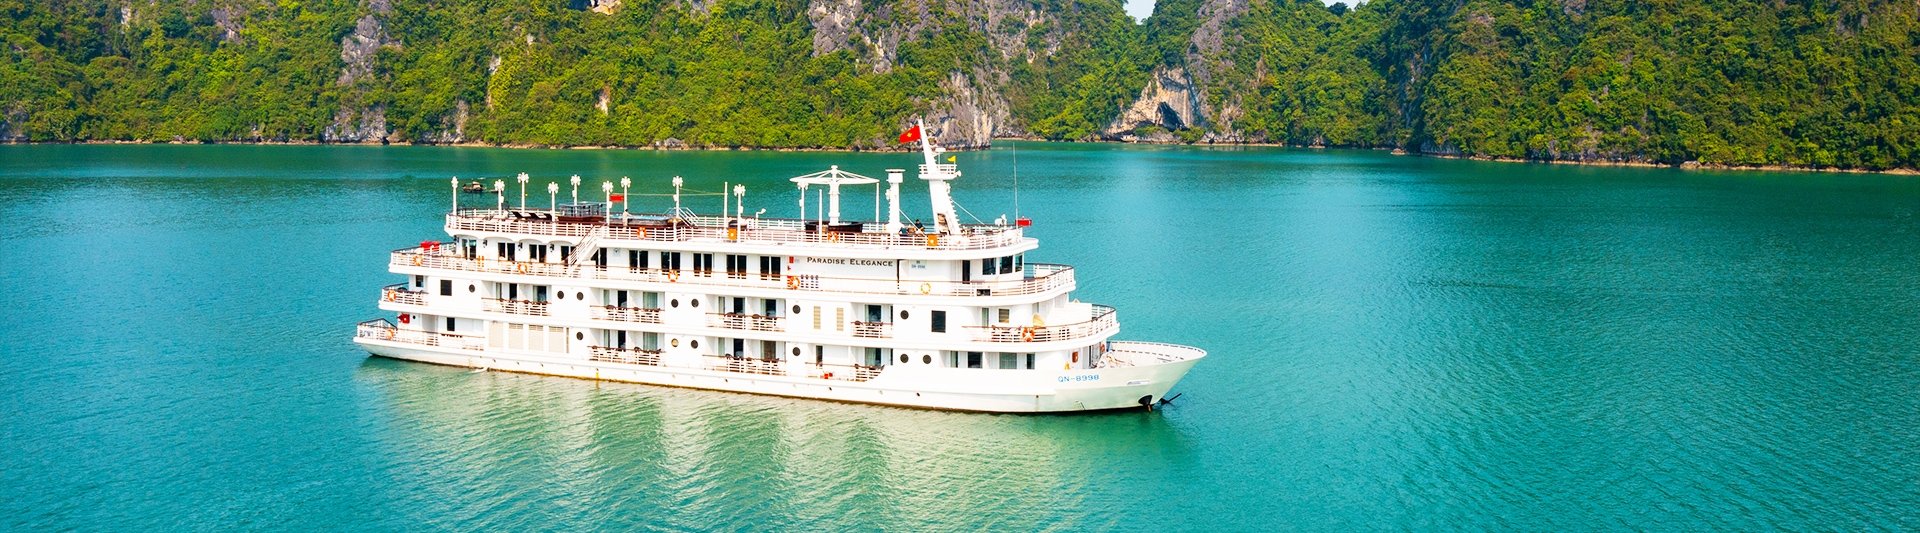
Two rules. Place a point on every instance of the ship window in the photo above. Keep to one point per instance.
(1029, 361)
(1006, 264)
(446, 287)
(839, 319)
(694, 343)
(471, 288)
(966, 270)
(819, 354)
(939, 321)
(816, 317)
(1009, 361)
(1006, 315)
(903, 314)
(539, 293)
(636, 259)
(649, 341)
(904, 358)
(953, 359)
(926, 359)
(986, 266)
(1020, 262)
(674, 302)
(796, 351)
(449, 324)
(694, 302)
(419, 281)
(973, 359)
(674, 343)
(796, 309)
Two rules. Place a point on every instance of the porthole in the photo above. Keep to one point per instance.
(904, 358)
(796, 309)
(796, 351)
(579, 335)
(674, 343)
(470, 288)
(562, 295)
(695, 344)
(926, 359)
(903, 314)
(694, 302)
(577, 295)
(675, 302)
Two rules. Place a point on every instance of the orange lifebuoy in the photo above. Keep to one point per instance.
(388, 295)
(833, 237)
(642, 232)
(733, 234)
(933, 240)
(926, 288)
(520, 267)
(673, 276)
(1026, 334)
(416, 260)
(389, 335)
(793, 283)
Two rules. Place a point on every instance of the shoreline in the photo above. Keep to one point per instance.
(1691, 165)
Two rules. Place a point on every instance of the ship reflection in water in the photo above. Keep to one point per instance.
(470, 443)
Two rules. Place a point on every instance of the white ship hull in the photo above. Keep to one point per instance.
(999, 391)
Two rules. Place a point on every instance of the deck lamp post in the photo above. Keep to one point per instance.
(576, 188)
(803, 200)
(607, 187)
(553, 196)
(739, 203)
(625, 183)
(500, 195)
(456, 194)
(676, 196)
(523, 189)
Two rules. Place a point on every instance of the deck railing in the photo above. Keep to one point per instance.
(627, 314)
(381, 329)
(744, 365)
(873, 330)
(1037, 278)
(726, 229)
(744, 321)
(1103, 320)
(631, 356)
(844, 372)
(517, 307)
(398, 293)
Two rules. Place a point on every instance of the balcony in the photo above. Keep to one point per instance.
(517, 307)
(844, 372)
(744, 322)
(627, 314)
(873, 330)
(744, 365)
(1122, 354)
(1103, 320)
(381, 329)
(631, 356)
(690, 227)
(398, 293)
(1037, 278)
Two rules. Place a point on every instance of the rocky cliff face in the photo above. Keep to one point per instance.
(1170, 102)
(357, 120)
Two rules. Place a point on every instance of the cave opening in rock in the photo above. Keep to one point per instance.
(1169, 118)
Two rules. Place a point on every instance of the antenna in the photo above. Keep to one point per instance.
(1016, 179)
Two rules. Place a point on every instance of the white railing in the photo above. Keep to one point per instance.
(631, 356)
(1037, 278)
(518, 307)
(627, 314)
(1104, 319)
(398, 293)
(654, 228)
(744, 322)
(844, 372)
(1134, 353)
(873, 330)
(381, 329)
(744, 365)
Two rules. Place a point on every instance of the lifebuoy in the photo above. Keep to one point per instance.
(1026, 334)
(406, 318)
(521, 268)
(933, 240)
(390, 331)
(416, 260)
(926, 288)
(833, 237)
(793, 283)
(673, 276)
(733, 234)
(388, 295)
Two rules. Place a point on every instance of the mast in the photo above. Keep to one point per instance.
(936, 174)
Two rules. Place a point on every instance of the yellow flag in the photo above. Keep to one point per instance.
(952, 158)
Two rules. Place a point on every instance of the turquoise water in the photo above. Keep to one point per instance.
(1397, 344)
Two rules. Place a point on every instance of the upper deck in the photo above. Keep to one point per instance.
(686, 227)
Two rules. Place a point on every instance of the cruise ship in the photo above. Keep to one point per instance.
(938, 315)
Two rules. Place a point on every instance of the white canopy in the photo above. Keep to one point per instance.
(833, 178)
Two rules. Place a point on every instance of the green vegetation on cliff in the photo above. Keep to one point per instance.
(1831, 83)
